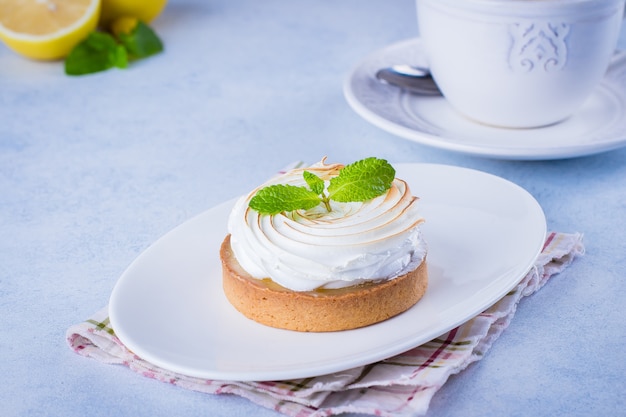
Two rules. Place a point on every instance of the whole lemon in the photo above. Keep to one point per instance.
(144, 10)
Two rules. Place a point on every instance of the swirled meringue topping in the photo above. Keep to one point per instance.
(354, 243)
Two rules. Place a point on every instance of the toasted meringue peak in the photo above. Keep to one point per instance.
(355, 242)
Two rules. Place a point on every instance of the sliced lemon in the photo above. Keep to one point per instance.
(144, 10)
(46, 29)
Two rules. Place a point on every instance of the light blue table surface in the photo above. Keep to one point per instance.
(94, 169)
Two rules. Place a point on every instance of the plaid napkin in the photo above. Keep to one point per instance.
(399, 386)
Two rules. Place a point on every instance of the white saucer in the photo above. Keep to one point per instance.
(600, 125)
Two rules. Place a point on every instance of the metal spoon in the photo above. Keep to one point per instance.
(410, 78)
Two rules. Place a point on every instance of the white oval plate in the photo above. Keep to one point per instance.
(484, 234)
(598, 126)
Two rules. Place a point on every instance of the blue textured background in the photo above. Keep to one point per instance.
(93, 169)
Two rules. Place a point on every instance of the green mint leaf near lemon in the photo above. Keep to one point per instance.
(131, 39)
(357, 182)
(283, 197)
(361, 180)
(98, 52)
(141, 42)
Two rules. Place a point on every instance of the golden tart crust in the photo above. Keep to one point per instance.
(322, 310)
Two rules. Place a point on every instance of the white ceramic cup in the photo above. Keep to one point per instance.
(518, 63)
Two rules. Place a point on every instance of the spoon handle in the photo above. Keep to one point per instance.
(422, 84)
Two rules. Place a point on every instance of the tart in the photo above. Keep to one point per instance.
(320, 310)
(333, 268)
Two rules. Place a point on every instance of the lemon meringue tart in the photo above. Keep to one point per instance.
(343, 261)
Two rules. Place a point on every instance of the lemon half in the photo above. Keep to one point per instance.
(46, 29)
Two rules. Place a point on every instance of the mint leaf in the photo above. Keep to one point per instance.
(315, 183)
(101, 51)
(141, 42)
(98, 52)
(277, 198)
(361, 180)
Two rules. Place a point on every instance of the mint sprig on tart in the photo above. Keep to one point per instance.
(357, 182)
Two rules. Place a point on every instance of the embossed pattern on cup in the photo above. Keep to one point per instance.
(538, 46)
